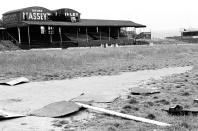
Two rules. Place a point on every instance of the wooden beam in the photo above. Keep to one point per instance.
(100, 34)
(60, 33)
(50, 38)
(118, 33)
(77, 33)
(123, 115)
(19, 35)
(87, 35)
(109, 33)
(29, 40)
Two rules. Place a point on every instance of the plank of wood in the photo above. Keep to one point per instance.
(123, 115)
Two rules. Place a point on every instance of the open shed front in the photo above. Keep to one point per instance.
(54, 36)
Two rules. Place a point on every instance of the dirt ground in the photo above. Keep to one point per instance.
(177, 89)
(31, 96)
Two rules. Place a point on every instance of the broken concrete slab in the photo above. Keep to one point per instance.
(97, 98)
(14, 81)
(57, 109)
(8, 115)
(179, 110)
(143, 91)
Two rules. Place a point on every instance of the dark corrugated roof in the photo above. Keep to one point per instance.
(67, 9)
(18, 10)
(88, 22)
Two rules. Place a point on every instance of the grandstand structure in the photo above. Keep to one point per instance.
(36, 27)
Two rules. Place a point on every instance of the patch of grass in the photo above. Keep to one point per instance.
(66, 64)
(133, 101)
(151, 116)
(63, 64)
(59, 123)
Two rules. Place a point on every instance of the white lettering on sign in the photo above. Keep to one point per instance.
(38, 15)
(36, 10)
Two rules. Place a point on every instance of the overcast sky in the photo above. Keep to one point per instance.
(156, 14)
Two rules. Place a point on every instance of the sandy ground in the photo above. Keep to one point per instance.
(27, 97)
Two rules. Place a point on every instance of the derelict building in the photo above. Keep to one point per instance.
(35, 27)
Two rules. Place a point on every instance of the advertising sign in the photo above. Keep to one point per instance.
(35, 14)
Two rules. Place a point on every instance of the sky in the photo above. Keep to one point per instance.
(155, 14)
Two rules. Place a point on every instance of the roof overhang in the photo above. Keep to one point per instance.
(87, 23)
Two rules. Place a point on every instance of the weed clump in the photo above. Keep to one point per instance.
(151, 116)
(133, 101)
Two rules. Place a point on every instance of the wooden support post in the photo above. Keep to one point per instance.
(127, 33)
(118, 33)
(61, 41)
(19, 35)
(29, 40)
(77, 33)
(109, 33)
(2, 34)
(87, 35)
(100, 34)
(135, 30)
(50, 38)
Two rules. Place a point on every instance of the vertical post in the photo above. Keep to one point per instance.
(118, 33)
(87, 35)
(109, 33)
(50, 38)
(77, 33)
(2, 35)
(100, 34)
(29, 37)
(127, 34)
(19, 35)
(60, 37)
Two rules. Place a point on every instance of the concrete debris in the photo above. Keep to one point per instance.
(97, 98)
(179, 110)
(57, 109)
(143, 91)
(8, 115)
(14, 81)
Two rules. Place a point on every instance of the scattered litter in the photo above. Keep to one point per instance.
(179, 110)
(143, 91)
(123, 115)
(8, 115)
(96, 98)
(196, 100)
(14, 81)
(57, 109)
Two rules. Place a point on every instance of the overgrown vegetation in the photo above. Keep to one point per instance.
(7, 45)
(63, 64)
